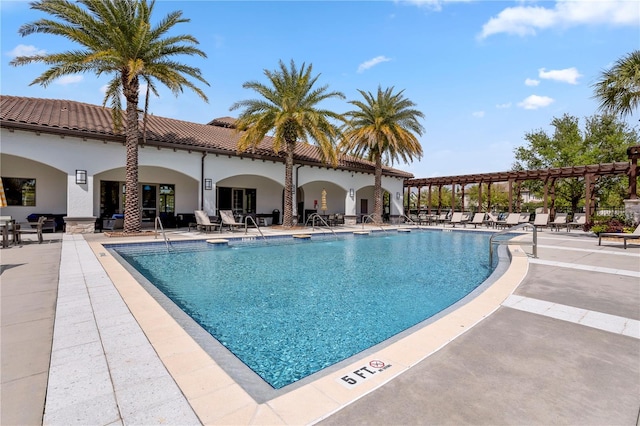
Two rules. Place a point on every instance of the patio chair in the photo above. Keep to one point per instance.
(579, 220)
(524, 218)
(633, 236)
(478, 219)
(512, 220)
(203, 223)
(228, 220)
(492, 220)
(457, 218)
(31, 228)
(541, 220)
(558, 221)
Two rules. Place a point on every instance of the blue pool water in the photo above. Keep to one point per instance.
(290, 308)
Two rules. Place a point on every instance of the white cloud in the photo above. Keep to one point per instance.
(527, 20)
(372, 62)
(535, 102)
(69, 79)
(478, 114)
(430, 4)
(504, 106)
(531, 82)
(567, 75)
(25, 50)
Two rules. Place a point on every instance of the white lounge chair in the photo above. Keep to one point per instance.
(558, 221)
(204, 223)
(478, 219)
(579, 220)
(228, 220)
(458, 218)
(512, 220)
(633, 236)
(541, 220)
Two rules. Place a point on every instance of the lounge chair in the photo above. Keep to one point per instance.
(203, 223)
(457, 218)
(579, 220)
(541, 220)
(524, 218)
(31, 228)
(228, 220)
(478, 219)
(558, 221)
(512, 220)
(633, 236)
(492, 220)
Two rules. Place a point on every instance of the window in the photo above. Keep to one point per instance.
(19, 191)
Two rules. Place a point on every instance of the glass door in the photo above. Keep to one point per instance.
(149, 200)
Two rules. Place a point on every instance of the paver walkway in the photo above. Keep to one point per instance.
(563, 349)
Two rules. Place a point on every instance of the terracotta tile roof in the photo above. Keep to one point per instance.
(86, 120)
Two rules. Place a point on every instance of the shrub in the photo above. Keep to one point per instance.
(616, 223)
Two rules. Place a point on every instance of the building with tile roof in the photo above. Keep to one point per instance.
(64, 158)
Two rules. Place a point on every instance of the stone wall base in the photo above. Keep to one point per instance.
(80, 225)
(632, 209)
(350, 219)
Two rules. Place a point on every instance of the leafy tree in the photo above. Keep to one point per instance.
(117, 38)
(499, 197)
(289, 108)
(605, 139)
(618, 88)
(383, 125)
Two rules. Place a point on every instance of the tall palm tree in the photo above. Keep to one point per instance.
(288, 109)
(117, 39)
(619, 87)
(384, 125)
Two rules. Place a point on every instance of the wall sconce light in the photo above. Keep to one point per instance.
(351, 192)
(208, 184)
(397, 195)
(81, 177)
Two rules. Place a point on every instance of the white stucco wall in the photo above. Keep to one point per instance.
(53, 160)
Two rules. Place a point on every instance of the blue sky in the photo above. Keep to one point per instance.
(484, 73)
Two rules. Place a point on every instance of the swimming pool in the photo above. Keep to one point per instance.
(289, 308)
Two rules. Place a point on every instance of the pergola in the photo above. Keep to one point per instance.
(589, 173)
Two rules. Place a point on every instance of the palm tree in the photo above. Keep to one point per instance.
(383, 126)
(117, 38)
(619, 87)
(288, 108)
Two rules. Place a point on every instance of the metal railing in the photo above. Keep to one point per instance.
(246, 224)
(157, 223)
(313, 218)
(408, 219)
(370, 217)
(534, 242)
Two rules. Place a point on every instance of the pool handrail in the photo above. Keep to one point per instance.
(313, 218)
(370, 217)
(409, 219)
(157, 222)
(246, 223)
(534, 242)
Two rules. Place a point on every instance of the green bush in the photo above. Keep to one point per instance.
(615, 223)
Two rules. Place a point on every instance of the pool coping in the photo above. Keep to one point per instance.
(217, 398)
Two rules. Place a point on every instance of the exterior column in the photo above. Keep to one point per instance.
(510, 196)
(80, 218)
(480, 197)
(429, 201)
(453, 197)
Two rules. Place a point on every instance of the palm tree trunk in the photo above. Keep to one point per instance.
(287, 220)
(377, 191)
(132, 215)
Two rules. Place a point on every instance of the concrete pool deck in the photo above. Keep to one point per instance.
(554, 340)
